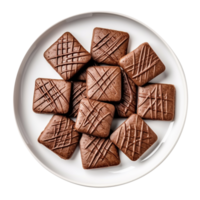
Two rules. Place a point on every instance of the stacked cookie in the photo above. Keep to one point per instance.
(97, 87)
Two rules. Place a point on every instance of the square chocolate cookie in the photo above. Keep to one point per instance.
(98, 152)
(94, 118)
(60, 136)
(67, 56)
(156, 101)
(142, 64)
(78, 93)
(51, 96)
(127, 105)
(133, 137)
(108, 46)
(104, 83)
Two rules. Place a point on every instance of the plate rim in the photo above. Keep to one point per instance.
(170, 50)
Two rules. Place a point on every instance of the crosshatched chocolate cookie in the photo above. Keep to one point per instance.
(142, 64)
(108, 46)
(94, 118)
(127, 105)
(98, 152)
(81, 75)
(67, 56)
(133, 137)
(51, 96)
(104, 83)
(156, 101)
(60, 136)
(78, 93)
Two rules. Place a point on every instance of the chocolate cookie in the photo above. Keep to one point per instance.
(156, 101)
(51, 96)
(67, 56)
(78, 93)
(60, 136)
(133, 137)
(127, 105)
(94, 118)
(142, 64)
(98, 152)
(104, 83)
(108, 46)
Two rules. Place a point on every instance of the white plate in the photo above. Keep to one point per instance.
(31, 124)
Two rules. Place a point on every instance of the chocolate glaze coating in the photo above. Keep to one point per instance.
(67, 56)
(60, 136)
(156, 101)
(98, 152)
(78, 93)
(133, 137)
(142, 64)
(94, 118)
(108, 46)
(127, 105)
(51, 96)
(104, 83)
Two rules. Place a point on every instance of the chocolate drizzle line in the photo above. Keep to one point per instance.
(49, 98)
(105, 43)
(97, 82)
(157, 101)
(101, 81)
(140, 67)
(129, 142)
(93, 116)
(71, 61)
(63, 134)
(99, 150)
(111, 48)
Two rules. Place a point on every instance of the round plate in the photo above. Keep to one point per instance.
(31, 124)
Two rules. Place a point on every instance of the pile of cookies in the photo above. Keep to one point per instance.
(97, 87)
